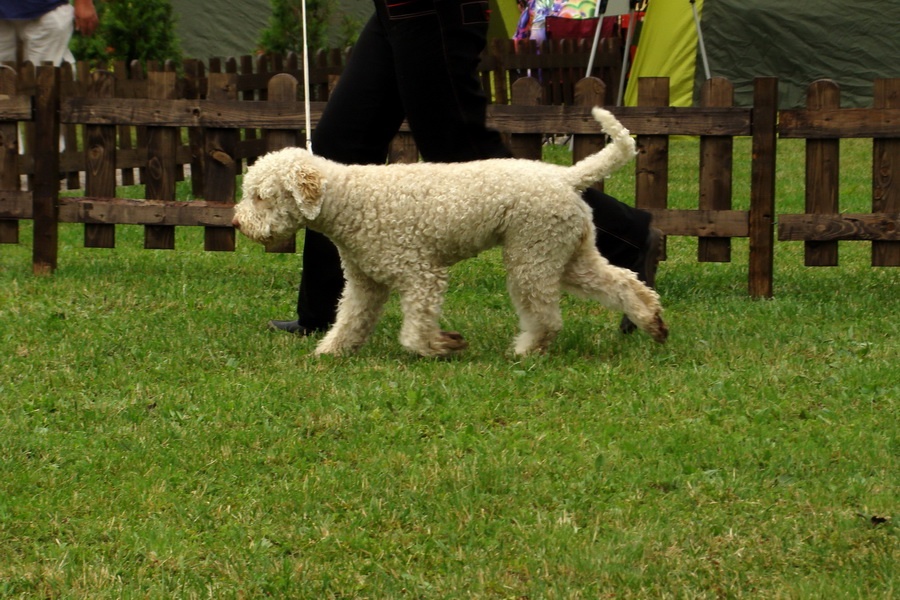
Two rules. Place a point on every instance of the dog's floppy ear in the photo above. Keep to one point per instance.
(306, 185)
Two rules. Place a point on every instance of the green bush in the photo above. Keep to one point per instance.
(285, 31)
(324, 27)
(131, 30)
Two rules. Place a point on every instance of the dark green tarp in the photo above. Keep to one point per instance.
(208, 29)
(852, 43)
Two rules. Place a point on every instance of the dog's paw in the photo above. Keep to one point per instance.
(658, 330)
(327, 347)
(330, 352)
(530, 343)
(448, 343)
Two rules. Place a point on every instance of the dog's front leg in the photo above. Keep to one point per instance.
(358, 312)
(421, 300)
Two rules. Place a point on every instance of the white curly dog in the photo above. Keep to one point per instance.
(401, 227)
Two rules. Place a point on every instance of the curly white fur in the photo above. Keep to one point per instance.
(400, 227)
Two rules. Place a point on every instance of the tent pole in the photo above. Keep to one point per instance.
(601, 10)
(700, 41)
(306, 81)
(629, 37)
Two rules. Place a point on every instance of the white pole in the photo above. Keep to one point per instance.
(306, 80)
(629, 37)
(700, 40)
(601, 10)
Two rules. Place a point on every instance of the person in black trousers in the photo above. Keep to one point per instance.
(418, 60)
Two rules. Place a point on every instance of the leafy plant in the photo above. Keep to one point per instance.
(285, 31)
(130, 30)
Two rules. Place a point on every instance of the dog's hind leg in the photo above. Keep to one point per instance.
(358, 312)
(540, 318)
(534, 288)
(590, 275)
(421, 299)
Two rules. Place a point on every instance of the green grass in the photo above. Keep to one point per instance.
(158, 442)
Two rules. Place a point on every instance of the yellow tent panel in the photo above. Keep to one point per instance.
(672, 52)
(504, 17)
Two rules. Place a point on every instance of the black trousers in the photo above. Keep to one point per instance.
(417, 60)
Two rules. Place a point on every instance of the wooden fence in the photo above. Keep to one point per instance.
(823, 124)
(560, 64)
(218, 120)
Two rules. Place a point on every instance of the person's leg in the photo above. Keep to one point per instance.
(437, 46)
(364, 110)
(621, 229)
(361, 117)
(626, 238)
(47, 38)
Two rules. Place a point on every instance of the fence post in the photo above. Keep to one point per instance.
(886, 174)
(221, 164)
(589, 92)
(322, 91)
(569, 75)
(652, 163)
(68, 88)
(282, 88)
(526, 91)
(194, 73)
(9, 157)
(46, 171)
(822, 174)
(162, 143)
(611, 54)
(140, 86)
(762, 186)
(100, 159)
(125, 84)
(716, 170)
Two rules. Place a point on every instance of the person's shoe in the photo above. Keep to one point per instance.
(291, 327)
(645, 266)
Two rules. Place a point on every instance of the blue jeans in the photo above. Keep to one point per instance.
(418, 60)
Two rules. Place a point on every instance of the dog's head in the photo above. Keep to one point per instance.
(282, 192)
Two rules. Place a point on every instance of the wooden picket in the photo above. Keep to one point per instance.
(716, 171)
(9, 151)
(101, 152)
(885, 174)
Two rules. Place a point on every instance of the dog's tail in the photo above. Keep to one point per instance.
(616, 154)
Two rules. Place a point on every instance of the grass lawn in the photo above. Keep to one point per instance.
(157, 442)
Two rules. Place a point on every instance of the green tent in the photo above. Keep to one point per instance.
(211, 28)
(852, 43)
